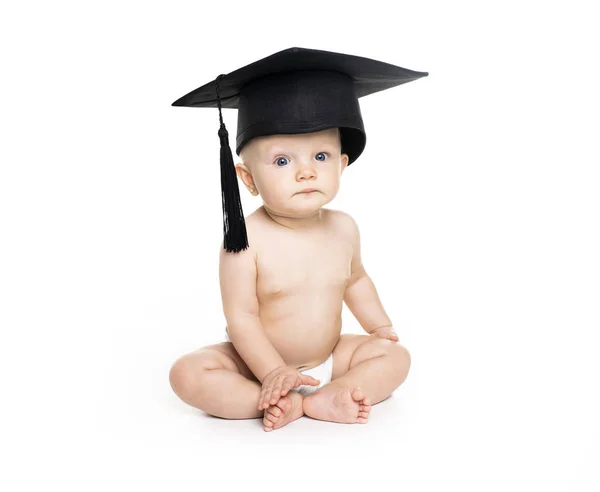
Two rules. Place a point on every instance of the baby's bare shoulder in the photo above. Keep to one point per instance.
(256, 225)
(253, 226)
(259, 232)
(343, 222)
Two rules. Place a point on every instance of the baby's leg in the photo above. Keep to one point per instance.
(217, 380)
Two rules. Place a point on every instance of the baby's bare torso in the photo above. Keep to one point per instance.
(302, 275)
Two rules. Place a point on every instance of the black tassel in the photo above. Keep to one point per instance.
(234, 225)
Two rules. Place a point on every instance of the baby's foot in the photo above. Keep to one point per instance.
(338, 404)
(286, 410)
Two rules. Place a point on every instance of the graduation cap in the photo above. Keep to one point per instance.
(293, 91)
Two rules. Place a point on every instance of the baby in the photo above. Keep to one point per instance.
(286, 269)
(282, 299)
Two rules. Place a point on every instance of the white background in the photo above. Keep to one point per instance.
(476, 196)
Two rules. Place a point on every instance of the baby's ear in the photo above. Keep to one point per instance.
(244, 174)
(241, 169)
(345, 160)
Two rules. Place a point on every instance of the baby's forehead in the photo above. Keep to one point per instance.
(265, 143)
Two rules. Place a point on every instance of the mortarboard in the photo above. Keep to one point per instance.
(296, 90)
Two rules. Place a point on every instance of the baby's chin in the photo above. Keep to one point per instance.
(298, 210)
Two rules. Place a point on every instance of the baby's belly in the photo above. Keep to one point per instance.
(303, 329)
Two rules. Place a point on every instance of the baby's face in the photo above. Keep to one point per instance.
(280, 167)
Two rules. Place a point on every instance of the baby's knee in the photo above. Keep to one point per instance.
(403, 360)
(187, 373)
(400, 354)
(181, 377)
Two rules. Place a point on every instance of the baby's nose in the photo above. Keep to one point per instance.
(307, 172)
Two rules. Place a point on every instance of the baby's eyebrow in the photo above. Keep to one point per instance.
(318, 148)
(276, 150)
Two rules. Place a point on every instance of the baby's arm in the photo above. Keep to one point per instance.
(361, 295)
(237, 273)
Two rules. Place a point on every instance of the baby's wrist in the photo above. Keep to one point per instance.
(275, 369)
(380, 328)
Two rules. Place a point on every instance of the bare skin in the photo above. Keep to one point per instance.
(301, 260)
(342, 405)
(297, 269)
(308, 264)
(303, 253)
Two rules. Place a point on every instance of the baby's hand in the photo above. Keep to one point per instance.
(279, 381)
(385, 332)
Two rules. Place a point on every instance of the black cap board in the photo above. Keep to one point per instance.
(293, 91)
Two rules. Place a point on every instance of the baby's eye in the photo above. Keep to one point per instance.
(323, 154)
(280, 160)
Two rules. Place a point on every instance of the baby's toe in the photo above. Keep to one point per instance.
(357, 394)
(275, 410)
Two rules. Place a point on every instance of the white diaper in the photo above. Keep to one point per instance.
(323, 372)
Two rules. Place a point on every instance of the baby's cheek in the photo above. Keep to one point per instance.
(268, 194)
(273, 199)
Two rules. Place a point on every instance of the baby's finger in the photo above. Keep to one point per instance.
(288, 383)
(286, 386)
(276, 394)
(267, 397)
(263, 393)
(309, 380)
(292, 382)
(263, 397)
(273, 393)
(260, 401)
